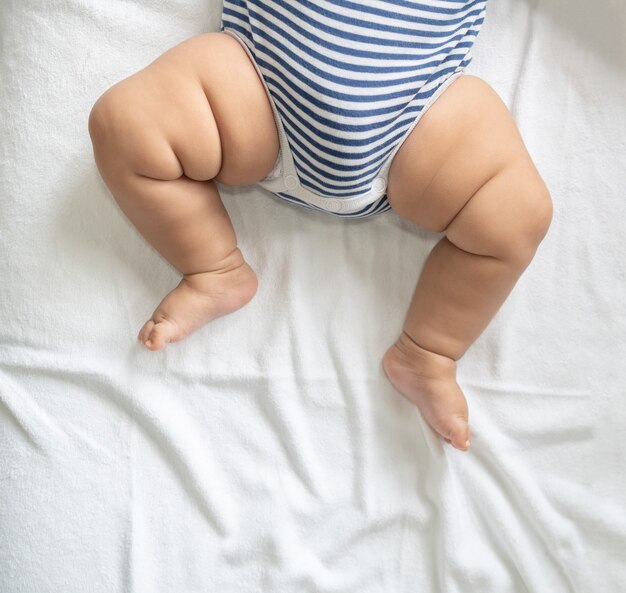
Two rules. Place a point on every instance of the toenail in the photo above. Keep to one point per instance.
(467, 444)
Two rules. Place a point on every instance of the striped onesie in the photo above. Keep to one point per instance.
(347, 82)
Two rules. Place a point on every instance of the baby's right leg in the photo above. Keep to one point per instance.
(162, 137)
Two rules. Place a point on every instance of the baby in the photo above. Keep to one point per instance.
(345, 107)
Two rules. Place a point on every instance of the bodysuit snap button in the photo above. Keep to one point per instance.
(334, 205)
(291, 181)
(380, 183)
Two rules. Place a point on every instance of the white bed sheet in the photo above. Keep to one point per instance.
(267, 452)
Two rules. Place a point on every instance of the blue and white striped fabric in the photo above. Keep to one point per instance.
(348, 81)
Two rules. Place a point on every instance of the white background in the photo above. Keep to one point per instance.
(267, 452)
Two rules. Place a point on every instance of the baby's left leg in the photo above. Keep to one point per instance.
(464, 170)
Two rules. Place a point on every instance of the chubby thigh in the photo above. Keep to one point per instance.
(199, 110)
(464, 169)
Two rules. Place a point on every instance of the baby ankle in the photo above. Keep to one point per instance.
(422, 357)
(446, 347)
(227, 263)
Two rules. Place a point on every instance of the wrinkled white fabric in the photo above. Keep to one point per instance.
(267, 452)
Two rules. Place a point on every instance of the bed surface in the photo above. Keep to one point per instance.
(267, 452)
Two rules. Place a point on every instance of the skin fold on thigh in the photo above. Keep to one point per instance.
(205, 99)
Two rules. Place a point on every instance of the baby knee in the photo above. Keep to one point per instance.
(531, 215)
(107, 116)
(507, 217)
(536, 209)
(97, 126)
(125, 140)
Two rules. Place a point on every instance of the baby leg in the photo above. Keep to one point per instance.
(464, 170)
(162, 137)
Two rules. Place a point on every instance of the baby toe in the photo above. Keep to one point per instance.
(144, 332)
(459, 433)
(161, 335)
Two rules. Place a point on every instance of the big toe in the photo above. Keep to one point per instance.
(144, 332)
(456, 432)
(158, 334)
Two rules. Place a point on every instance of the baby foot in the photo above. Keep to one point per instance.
(429, 381)
(198, 299)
